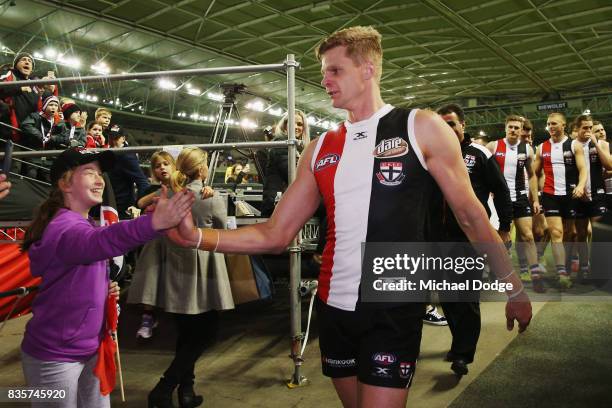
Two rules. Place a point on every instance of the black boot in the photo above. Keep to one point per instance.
(187, 397)
(161, 395)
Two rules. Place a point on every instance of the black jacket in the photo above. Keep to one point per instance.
(123, 177)
(276, 177)
(56, 136)
(20, 102)
(486, 178)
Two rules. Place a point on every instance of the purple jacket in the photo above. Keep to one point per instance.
(68, 311)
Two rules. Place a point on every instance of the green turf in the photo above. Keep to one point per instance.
(563, 360)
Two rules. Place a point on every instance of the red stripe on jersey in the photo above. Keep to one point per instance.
(501, 157)
(324, 169)
(549, 177)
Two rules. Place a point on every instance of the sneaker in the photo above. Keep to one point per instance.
(538, 284)
(525, 276)
(433, 317)
(564, 281)
(575, 265)
(146, 327)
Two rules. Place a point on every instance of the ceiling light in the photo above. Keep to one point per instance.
(101, 68)
(215, 96)
(193, 91)
(50, 53)
(276, 112)
(164, 83)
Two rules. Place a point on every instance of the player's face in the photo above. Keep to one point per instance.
(585, 130)
(556, 126)
(342, 78)
(600, 132)
(453, 121)
(514, 129)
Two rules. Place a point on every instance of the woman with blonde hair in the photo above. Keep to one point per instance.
(276, 169)
(195, 285)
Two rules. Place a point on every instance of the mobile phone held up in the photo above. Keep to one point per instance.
(8, 156)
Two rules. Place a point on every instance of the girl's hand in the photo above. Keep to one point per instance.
(169, 212)
(114, 289)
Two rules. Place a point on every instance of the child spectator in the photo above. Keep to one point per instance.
(70, 254)
(74, 120)
(95, 138)
(103, 116)
(144, 287)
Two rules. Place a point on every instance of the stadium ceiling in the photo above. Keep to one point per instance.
(484, 52)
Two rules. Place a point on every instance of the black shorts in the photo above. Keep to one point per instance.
(589, 209)
(563, 206)
(521, 207)
(379, 346)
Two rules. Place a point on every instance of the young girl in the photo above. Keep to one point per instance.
(195, 285)
(144, 288)
(70, 254)
(94, 136)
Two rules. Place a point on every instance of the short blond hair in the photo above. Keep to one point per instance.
(362, 44)
(102, 111)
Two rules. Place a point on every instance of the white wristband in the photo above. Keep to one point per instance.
(510, 274)
(199, 238)
(512, 296)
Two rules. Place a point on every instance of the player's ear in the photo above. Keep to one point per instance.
(368, 70)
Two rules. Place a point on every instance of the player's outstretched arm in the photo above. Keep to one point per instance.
(296, 207)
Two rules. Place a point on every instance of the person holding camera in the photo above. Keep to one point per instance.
(276, 169)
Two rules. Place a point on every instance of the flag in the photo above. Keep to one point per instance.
(109, 216)
(106, 368)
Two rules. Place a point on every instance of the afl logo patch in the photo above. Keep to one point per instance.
(326, 161)
(388, 148)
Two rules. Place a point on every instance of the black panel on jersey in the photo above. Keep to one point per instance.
(571, 171)
(401, 188)
(521, 160)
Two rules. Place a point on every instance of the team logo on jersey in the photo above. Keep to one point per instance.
(567, 154)
(330, 159)
(521, 157)
(360, 135)
(406, 370)
(389, 148)
(390, 173)
(470, 162)
(384, 358)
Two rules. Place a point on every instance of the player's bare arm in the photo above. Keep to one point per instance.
(296, 207)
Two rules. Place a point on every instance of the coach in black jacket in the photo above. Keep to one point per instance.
(486, 178)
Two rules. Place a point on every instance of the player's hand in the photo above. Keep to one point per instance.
(504, 235)
(519, 309)
(578, 192)
(185, 234)
(537, 208)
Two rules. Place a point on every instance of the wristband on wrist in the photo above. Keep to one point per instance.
(217, 244)
(199, 238)
(515, 294)
(508, 275)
